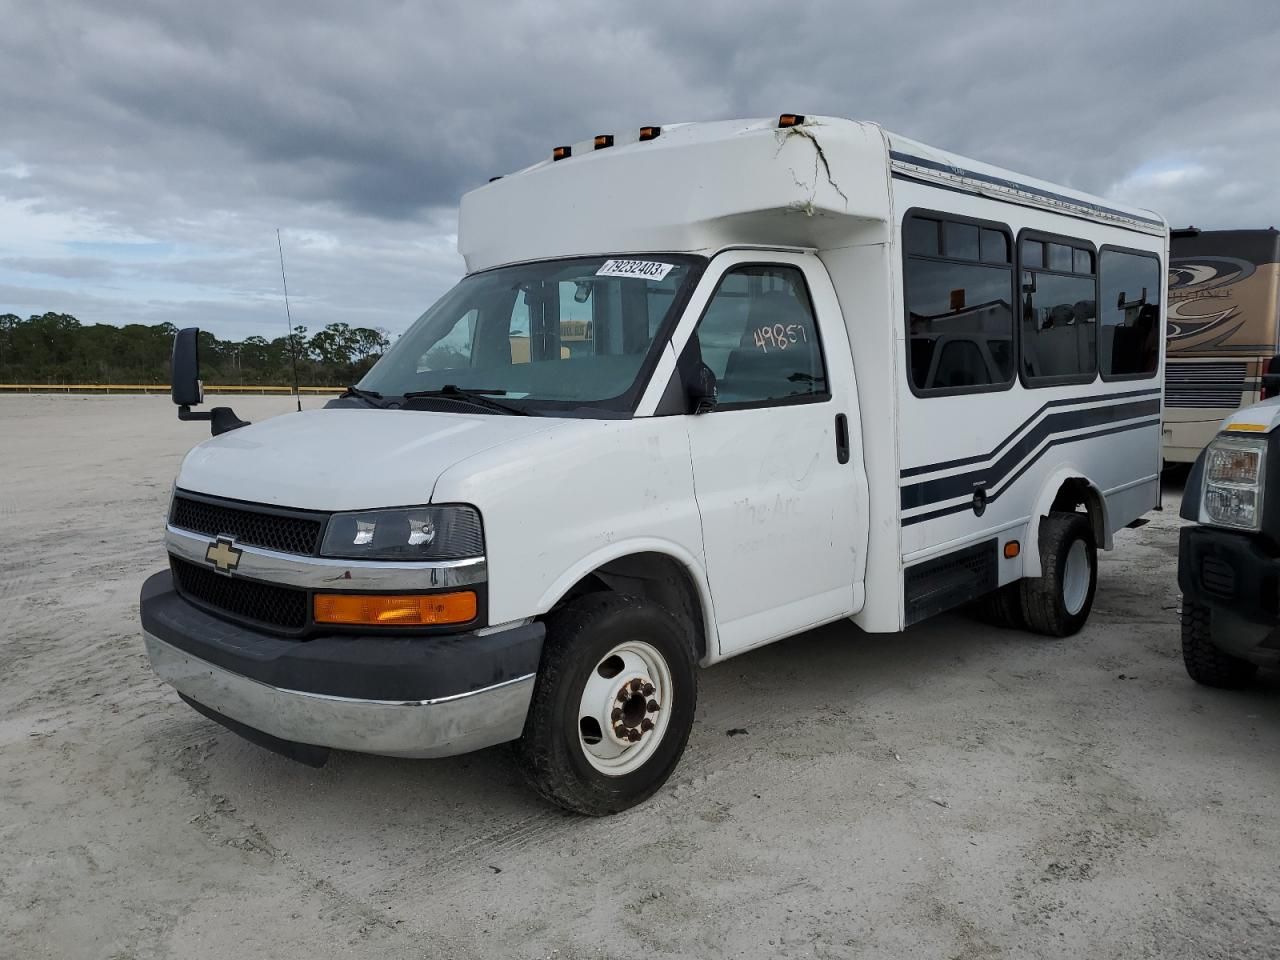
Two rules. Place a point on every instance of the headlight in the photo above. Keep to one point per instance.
(413, 533)
(1233, 474)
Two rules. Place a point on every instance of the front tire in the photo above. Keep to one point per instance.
(1205, 663)
(1057, 603)
(612, 706)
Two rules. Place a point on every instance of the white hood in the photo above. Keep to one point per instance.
(348, 459)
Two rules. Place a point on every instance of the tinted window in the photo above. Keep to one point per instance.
(922, 236)
(1059, 313)
(961, 241)
(995, 247)
(1130, 336)
(760, 339)
(960, 314)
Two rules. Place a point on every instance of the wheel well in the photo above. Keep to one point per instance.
(657, 578)
(1078, 492)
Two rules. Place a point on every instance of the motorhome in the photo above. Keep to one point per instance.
(818, 372)
(1224, 331)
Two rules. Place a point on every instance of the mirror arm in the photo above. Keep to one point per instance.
(221, 419)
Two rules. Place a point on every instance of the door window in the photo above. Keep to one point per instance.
(760, 339)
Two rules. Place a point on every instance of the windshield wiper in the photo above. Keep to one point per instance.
(477, 396)
(371, 397)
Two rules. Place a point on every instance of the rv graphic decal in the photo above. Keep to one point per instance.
(1198, 304)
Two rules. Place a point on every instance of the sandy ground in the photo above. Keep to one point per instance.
(952, 792)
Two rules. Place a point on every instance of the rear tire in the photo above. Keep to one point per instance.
(1057, 603)
(1206, 664)
(1002, 607)
(612, 706)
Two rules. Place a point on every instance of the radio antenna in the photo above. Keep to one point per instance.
(293, 350)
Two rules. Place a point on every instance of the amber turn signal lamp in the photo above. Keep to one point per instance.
(1012, 549)
(604, 140)
(650, 133)
(790, 120)
(559, 153)
(407, 610)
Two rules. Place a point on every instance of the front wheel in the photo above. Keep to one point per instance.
(1205, 663)
(612, 706)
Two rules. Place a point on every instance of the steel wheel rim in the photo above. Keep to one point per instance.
(1075, 578)
(625, 708)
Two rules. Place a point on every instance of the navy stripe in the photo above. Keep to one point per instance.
(965, 461)
(961, 507)
(1015, 185)
(963, 484)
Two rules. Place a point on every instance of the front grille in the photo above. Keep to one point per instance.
(1218, 578)
(1217, 384)
(274, 531)
(263, 603)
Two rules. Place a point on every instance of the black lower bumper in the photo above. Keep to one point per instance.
(1238, 579)
(1218, 568)
(363, 667)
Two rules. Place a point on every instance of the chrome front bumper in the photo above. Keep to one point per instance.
(398, 728)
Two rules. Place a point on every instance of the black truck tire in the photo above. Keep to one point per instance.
(1205, 663)
(612, 707)
(1057, 603)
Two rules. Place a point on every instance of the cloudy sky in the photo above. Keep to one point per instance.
(150, 149)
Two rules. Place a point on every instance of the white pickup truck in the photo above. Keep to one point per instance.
(703, 387)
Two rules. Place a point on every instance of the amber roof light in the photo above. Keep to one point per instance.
(604, 140)
(559, 153)
(790, 120)
(650, 133)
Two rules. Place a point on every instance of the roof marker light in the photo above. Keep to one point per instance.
(650, 133)
(604, 140)
(790, 120)
(559, 153)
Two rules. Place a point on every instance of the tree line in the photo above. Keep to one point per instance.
(55, 348)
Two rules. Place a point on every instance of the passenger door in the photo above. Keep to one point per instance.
(777, 464)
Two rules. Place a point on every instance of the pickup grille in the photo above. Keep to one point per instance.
(281, 607)
(1217, 384)
(285, 532)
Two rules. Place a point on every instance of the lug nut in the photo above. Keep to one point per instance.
(633, 735)
(636, 684)
(648, 689)
(620, 731)
(616, 715)
(646, 724)
(622, 695)
(653, 706)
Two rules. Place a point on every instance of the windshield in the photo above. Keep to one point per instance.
(555, 334)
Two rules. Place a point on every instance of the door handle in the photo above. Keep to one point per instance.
(842, 438)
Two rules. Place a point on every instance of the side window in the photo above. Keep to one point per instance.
(958, 287)
(1130, 314)
(1059, 311)
(759, 337)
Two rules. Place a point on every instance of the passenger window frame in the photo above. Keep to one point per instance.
(1162, 279)
(824, 396)
(929, 213)
(1046, 237)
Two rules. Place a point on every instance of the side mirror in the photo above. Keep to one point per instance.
(1271, 379)
(187, 390)
(703, 394)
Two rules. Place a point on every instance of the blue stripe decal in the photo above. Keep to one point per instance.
(1015, 185)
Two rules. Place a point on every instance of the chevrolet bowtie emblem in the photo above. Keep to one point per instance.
(222, 553)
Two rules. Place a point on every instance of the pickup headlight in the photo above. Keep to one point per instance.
(1233, 476)
(413, 533)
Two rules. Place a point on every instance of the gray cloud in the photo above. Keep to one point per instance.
(192, 132)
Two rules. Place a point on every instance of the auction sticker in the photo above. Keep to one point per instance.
(641, 269)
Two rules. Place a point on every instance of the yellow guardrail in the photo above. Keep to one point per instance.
(150, 388)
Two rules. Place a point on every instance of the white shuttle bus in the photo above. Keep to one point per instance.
(703, 387)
